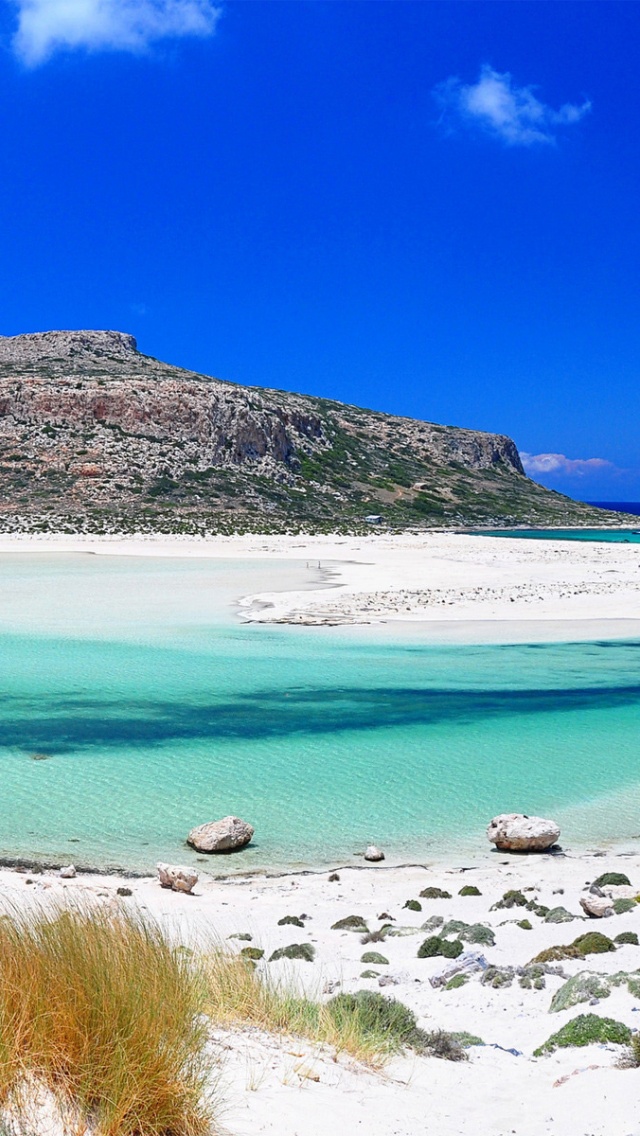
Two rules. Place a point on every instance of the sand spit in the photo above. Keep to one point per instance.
(461, 586)
(284, 1086)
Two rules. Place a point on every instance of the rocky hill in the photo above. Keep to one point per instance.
(95, 435)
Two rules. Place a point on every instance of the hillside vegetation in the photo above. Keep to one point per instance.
(96, 436)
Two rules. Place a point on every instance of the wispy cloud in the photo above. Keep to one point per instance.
(47, 26)
(497, 106)
(541, 464)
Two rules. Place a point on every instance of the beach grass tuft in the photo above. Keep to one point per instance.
(101, 1012)
(359, 1025)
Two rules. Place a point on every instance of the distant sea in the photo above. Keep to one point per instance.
(134, 705)
(618, 506)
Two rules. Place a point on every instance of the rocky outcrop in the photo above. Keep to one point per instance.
(517, 832)
(226, 835)
(66, 345)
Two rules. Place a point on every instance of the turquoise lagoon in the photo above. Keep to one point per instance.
(603, 536)
(157, 709)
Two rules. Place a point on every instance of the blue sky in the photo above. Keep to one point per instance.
(427, 208)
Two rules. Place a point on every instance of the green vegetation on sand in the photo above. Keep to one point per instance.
(586, 1029)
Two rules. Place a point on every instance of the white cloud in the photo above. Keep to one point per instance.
(570, 467)
(47, 26)
(496, 105)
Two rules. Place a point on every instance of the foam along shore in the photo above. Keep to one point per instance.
(283, 1085)
(460, 585)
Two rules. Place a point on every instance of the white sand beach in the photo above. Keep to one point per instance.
(462, 586)
(285, 1087)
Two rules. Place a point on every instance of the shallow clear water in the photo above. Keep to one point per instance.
(156, 710)
(604, 536)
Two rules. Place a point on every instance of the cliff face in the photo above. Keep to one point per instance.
(90, 427)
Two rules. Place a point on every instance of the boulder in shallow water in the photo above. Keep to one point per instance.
(224, 835)
(177, 878)
(517, 832)
(373, 854)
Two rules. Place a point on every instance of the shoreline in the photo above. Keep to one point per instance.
(468, 858)
(435, 585)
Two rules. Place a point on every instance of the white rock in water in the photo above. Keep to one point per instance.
(221, 835)
(176, 878)
(373, 854)
(68, 873)
(597, 905)
(517, 832)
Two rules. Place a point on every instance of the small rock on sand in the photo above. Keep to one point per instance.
(517, 832)
(221, 835)
(68, 873)
(177, 878)
(597, 905)
(621, 891)
(373, 854)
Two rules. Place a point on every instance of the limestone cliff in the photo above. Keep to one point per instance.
(90, 429)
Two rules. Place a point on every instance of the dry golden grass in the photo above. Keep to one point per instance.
(101, 1011)
(98, 1008)
(368, 1027)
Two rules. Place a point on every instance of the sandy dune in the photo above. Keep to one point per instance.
(284, 1087)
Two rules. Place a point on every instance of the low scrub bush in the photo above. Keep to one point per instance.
(512, 898)
(366, 1025)
(622, 906)
(586, 1029)
(254, 954)
(591, 943)
(612, 879)
(350, 923)
(435, 945)
(457, 981)
(631, 1059)
(389, 1022)
(447, 1046)
(304, 951)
